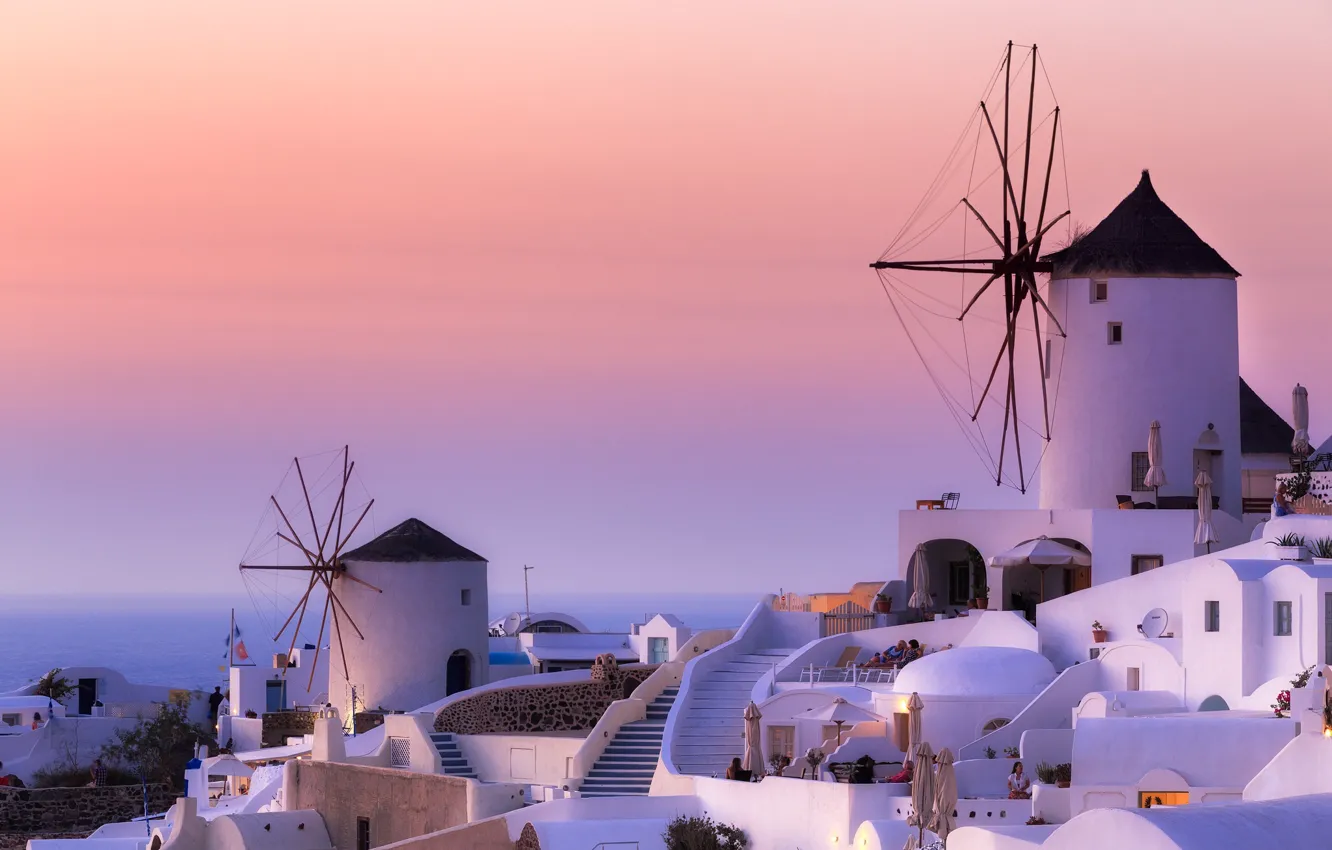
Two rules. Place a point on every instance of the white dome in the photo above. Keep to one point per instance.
(977, 671)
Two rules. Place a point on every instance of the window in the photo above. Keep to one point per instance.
(363, 834)
(659, 650)
(1114, 332)
(400, 752)
(1100, 291)
(1281, 619)
(1144, 563)
(997, 723)
(1133, 679)
(1212, 616)
(781, 740)
(466, 596)
(11, 719)
(959, 582)
(1147, 799)
(1049, 354)
(1140, 466)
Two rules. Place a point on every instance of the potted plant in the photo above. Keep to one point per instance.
(883, 603)
(989, 752)
(1035, 821)
(815, 757)
(1045, 773)
(980, 589)
(1011, 752)
(1099, 634)
(1063, 774)
(779, 763)
(1322, 550)
(1289, 547)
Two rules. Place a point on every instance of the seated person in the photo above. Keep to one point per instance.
(1019, 784)
(896, 654)
(876, 661)
(903, 775)
(1281, 505)
(734, 770)
(912, 652)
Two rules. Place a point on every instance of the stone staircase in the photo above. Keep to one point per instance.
(452, 760)
(711, 731)
(630, 759)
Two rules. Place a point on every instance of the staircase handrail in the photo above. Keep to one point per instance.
(620, 712)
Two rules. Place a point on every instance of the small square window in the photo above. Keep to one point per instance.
(1114, 332)
(1143, 563)
(1212, 616)
(1281, 620)
(1139, 467)
(1100, 291)
(466, 596)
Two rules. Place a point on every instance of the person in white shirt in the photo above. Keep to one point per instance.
(1019, 785)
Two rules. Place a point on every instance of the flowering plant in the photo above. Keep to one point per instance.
(1282, 705)
(815, 757)
(1302, 678)
(1097, 627)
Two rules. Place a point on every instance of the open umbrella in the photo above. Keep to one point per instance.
(945, 796)
(1300, 445)
(914, 706)
(226, 765)
(1206, 534)
(1042, 553)
(920, 581)
(753, 740)
(1156, 477)
(840, 711)
(922, 791)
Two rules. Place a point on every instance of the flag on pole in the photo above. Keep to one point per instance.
(235, 646)
(241, 654)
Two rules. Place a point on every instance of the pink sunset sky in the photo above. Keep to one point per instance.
(583, 285)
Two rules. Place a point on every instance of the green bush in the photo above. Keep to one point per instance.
(73, 776)
(160, 747)
(703, 833)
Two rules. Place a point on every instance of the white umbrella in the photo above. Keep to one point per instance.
(1206, 534)
(920, 581)
(226, 766)
(922, 791)
(840, 711)
(1300, 445)
(1156, 477)
(1042, 553)
(753, 740)
(914, 706)
(945, 796)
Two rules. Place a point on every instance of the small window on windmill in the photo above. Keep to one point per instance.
(467, 596)
(1114, 332)
(1140, 465)
(1049, 354)
(400, 752)
(1100, 291)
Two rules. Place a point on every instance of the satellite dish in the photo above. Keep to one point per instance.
(1154, 624)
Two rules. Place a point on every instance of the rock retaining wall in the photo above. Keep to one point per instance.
(572, 707)
(278, 726)
(49, 810)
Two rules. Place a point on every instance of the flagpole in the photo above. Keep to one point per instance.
(231, 640)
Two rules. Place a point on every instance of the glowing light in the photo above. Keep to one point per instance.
(1327, 732)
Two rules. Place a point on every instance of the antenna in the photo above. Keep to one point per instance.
(527, 598)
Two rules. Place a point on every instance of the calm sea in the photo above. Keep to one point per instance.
(181, 641)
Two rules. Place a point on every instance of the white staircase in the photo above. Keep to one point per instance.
(452, 760)
(711, 725)
(629, 761)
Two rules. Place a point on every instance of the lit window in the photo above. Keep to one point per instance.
(1212, 616)
(1143, 563)
(1115, 332)
(1140, 465)
(1281, 620)
(466, 596)
(1100, 291)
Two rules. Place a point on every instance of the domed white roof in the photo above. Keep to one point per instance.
(977, 671)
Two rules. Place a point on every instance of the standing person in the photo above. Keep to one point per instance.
(98, 773)
(36, 720)
(1019, 784)
(214, 700)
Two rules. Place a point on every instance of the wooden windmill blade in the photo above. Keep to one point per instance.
(1012, 256)
(327, 540)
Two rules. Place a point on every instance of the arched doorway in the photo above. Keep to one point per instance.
(1214, 703)
(957, 574)
(1025, 585)
(458, 674)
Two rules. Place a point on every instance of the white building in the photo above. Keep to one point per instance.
(420, 604)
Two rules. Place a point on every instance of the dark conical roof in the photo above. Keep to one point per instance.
(1142, 236)
(412, 541)
(1262, 430)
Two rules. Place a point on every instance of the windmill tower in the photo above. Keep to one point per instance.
(1151, 316)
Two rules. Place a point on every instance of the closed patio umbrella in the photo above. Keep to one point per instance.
(753, 740)
(840, 712)
(920, 581)
(1156, 477)
(1042, 553)
(922, 791)
(945, 796)
(914, 706)
(1300, 445)
(1206, 534)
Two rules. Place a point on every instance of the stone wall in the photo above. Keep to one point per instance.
(48, 810)
(571, 707)
(399, 805)
(280, 725)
